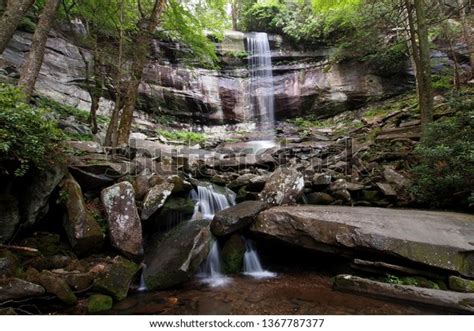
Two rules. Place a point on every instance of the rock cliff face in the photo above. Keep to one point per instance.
(304, 81)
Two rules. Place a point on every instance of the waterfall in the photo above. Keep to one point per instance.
(209, 201)
(142, 287)
(261, 80)
(211, 269)
(252, 265)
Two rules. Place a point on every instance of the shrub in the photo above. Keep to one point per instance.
(445, 174)
(27, 136)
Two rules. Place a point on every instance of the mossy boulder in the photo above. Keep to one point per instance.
(17, 289)
(116, 278)
(461, 285)
(49, 244)
(175, 257)
(98, 303)
(232, 254)
(57, 286)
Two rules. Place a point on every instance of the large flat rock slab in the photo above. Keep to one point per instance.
(438, 239)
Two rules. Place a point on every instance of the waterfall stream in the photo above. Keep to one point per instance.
(261, 82)
(209, 201)
(252, 265)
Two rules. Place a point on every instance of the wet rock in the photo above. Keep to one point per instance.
(446, 300)
(83, 232)
(9, 217)
(9, 263)
(155, 199)
(34, 202)
(284, 186)
(319, 198)
(98, 303)
(461, 285)
(407, 234)
(257, 183)
(125, 228)
(232, 254)
(116, 278)
(322, 179)
(176, 257)
(237, 217)
(57, 286)
(17, 289)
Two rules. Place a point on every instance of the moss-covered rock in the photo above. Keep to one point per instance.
(176, 257)
(232, 254)
(116, 278)
(461, 285)
(47, 243)
(98, 303)
(57, 286)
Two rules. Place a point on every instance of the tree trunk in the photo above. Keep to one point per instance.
(31, 67)
(10, 19)
(425, 93)
(144, 39)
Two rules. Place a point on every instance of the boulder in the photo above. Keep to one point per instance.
(435, 239)
(9, 217)
(125, 228)
(319, 198)
(342, 184)
(86, 147)
(232, 254)
(237, 217)
(175, 258)
(284, 186)
(395, 178)
(35, 197)
(461, 285)
(57, 286)
(18, 289)
(241, 181)
(179, 184)
(9, 263)
(115, 278)
(387, 189)
(155, 199)
(83, 231)
(78, 281)
(93, 177)
(322, 179)
(98, 303)
(443, 300)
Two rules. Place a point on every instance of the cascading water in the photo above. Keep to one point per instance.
(211, 270)
(209, 201)
(261, 82)
(252, 265)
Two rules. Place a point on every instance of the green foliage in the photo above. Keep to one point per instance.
(442, 82)
(184, 136)
(27, 135)
(262, 16)
(445, 175)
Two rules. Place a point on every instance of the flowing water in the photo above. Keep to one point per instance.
(211, 269)
(210, 200)
(252, 265)
(261, 82)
